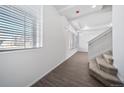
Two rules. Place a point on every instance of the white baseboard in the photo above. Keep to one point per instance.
(119, 74)
(121, 77)
(37, 79)
(82, 50)
(70, 53)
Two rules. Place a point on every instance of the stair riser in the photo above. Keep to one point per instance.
(107, 83)
(108, 60)
(92, 73)
(108, 70)
(104, 66)
(104, 72)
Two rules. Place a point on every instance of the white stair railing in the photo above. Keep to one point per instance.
(100, 44)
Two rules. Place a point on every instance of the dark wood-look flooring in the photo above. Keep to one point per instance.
(72, 73)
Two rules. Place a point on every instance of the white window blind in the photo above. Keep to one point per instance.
(18, 28)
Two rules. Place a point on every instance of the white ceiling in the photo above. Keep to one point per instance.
(70, 10)
(60, 7)
(96, 20)
(89, 16)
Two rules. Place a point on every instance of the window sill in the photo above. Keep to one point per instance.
(15, 49)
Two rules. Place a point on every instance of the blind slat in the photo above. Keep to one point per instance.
(16, 28)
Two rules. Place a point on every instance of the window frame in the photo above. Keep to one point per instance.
(40, 31)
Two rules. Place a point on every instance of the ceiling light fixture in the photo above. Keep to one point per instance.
(93, 6)
(86, 27)
(109, 25)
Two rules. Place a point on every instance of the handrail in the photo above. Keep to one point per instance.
(99, 36)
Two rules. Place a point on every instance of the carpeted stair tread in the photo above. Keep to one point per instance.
(106, 66)
(105, 78)
(108, 58)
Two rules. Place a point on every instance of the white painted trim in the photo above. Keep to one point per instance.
(37, 79)
(100, 44)
(119, 74)
(82, 50)
(120, 77)
(100, 36)
(70, 54)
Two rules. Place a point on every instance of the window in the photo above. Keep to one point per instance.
(18, 28)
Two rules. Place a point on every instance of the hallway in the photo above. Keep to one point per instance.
(72, 73)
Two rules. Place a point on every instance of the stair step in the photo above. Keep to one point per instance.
(109, 52)
(108, 58)
(108, 68)
(105, 78)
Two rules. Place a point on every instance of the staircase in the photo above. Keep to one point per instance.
(103, 70)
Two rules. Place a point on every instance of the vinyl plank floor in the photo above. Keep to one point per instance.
(71, 73)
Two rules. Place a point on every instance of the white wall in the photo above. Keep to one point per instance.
(68, 37)
(118, 38)
(86, 36)
(24, 67)
(96, 23)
